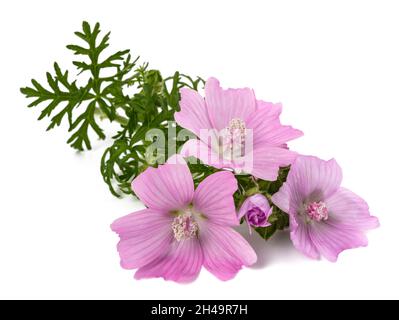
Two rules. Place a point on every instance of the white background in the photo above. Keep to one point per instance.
(333, 64)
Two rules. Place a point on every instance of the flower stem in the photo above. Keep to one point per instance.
(118, 118)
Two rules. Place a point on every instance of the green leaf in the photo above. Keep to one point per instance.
(135, 96)
(121, 163)
(148, 108)
(274, 186)
(95, 99)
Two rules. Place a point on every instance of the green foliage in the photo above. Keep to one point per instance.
(150, 108)
(117, 89)
(96, 98)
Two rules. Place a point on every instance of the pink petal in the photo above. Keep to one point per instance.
(193, 114)
(214, 198)
(314, 178)
(310, 178)
(260, 201)
(267, 160)
(282, 198)
(257, 200)
(245, 207)
(350, 211)
(331, 238)
(225, 251)
(299, 232)
(181, 263)
(267, 128)
(224, 105)
(328, 238)
(198, 149)
(273, 109)
(168, 187)
(144, 236)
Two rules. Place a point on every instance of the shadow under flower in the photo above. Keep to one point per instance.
(278, 248)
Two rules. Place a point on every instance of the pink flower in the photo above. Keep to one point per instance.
(236, 131)
(182, 229)
(325, 219)
(256, 211)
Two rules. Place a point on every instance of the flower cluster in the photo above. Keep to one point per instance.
(185, 228)
(235, 167)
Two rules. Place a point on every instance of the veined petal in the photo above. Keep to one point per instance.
(225, 251)
(331, 238)
(267, 128)
(198, 149)
(267, 160)
(313, 178)
(282, 198)
(225, 105)
(214, 198)
(193, 114)
(350, 211)
(299, 233)
(144, 235)
(168, 187)
(273, 109)
(182, 262)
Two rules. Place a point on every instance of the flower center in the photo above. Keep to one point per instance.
(256, 216)
(233, 139)
(317, 211)
(184, 226)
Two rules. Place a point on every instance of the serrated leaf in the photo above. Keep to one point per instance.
(78, 49)
(65, 95)
(151, 102)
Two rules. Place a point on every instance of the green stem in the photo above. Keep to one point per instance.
(121, 119)
(268, 196)
(252, 191)
(118, 118)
